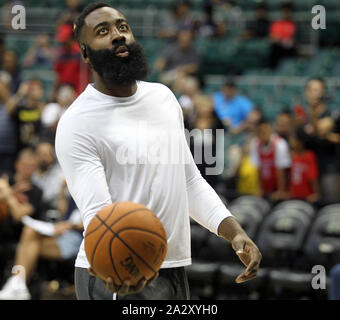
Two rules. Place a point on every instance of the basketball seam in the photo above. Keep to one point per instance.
(112, 262)
(127, 213)
(101, 237)
(117, 236)
(94, 230)
(140, 229)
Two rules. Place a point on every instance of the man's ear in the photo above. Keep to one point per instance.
(83, 50)
(86, 59)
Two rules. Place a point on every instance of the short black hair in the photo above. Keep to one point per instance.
(286, 112)
(263, 120)
(300, 135)
(80, 20)
(230, 82)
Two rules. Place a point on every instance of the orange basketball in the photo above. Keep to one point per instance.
(125, 241)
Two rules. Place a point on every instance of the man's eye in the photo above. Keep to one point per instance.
(123, 27)
(102, 31)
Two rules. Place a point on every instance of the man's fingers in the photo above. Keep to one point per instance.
(251, 258)
(244, 257)
(153, 278)
(110, 285)
(253, 266)
(124, 289)
(140, 286)
(243, 277)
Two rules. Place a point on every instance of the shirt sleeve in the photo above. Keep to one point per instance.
(205, 206)
(282, 155)
(83, 170)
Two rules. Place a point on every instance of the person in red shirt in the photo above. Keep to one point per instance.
(282, 35)
(69, 66)
(304, 170)
(270, 154)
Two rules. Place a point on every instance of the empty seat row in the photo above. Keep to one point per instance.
(292, 237)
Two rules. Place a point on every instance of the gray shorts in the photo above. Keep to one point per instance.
(69, 243)
(171, 284)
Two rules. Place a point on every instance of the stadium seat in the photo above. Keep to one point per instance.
(323, 243)
(281, 238)
(203, 272)
(300, 205)
(249, 217)
(330, 209)
(259, 203)
(292, 280)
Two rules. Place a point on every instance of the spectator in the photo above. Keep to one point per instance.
(304, 170)
(40, 54)
(247, 174)
(179, 18)
(270, 154)
(228, 10)
(69, 65)
(259, 27)
(252, 121)
(178, 60)
(11, 65)
(204, 142)
(283, 124)
(48, 176)
(21, 196)
(210, 27)
(62, 242)
(322, 127)
(53, 111)
(282, 35)
(334, 292)
(232, 108)
(73, 9)
(25, 108)
(190, 90)
(8, 140)
(316, 109)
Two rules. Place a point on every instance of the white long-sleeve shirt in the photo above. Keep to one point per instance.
(114, 149)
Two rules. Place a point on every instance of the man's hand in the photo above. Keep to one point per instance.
(249, 254)
(244, 247)
(125, 288)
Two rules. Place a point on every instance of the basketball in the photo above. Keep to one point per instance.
(125, 241)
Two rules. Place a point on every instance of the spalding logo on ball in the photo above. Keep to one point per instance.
(125, 241)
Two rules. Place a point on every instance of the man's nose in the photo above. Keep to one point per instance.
(117, 37)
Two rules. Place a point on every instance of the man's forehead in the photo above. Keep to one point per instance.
(103, 14)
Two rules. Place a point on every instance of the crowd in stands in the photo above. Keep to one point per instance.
(38, 218)
(296, 157)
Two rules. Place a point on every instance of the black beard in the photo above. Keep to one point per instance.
(117, 70)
